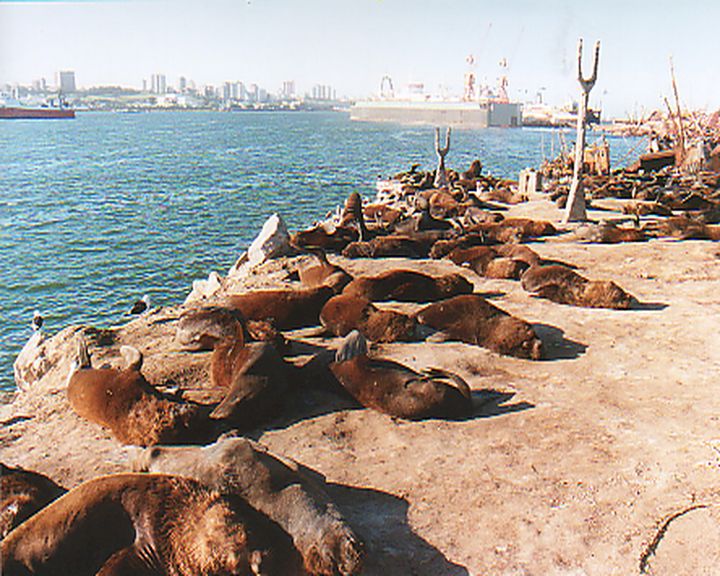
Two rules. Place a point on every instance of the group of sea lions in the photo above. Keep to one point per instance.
(231, 507)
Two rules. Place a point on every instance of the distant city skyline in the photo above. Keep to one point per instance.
(351, 45)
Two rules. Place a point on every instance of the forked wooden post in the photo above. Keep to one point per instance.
(575, 208)
(441, 180)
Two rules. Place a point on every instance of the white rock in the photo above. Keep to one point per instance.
(203, 289)
(32, 363)
(273, 241)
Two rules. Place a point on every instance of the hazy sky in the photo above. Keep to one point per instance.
(351, 44)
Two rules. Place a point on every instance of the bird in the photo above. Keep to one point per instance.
(37, 321)
(140, 306)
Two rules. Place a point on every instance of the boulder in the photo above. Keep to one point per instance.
(272, 242)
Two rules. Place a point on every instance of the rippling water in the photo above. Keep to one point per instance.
(97, 211)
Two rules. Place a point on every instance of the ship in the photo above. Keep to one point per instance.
(17, 111)
(482, 108)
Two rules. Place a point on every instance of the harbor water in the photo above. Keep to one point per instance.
(96, 212)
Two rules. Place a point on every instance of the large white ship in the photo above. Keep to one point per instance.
(480, 108)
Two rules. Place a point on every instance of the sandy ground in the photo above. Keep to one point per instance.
(603, 458)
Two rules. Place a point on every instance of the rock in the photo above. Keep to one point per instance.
(273, 241)
(32, 363)
(205, 289)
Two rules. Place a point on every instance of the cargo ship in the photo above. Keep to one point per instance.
(481, 108)
(13, 110)
(23, 112)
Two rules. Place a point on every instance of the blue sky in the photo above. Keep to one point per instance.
(351, 44)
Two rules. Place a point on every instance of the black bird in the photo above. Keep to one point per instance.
(140, 306)
(37, 321)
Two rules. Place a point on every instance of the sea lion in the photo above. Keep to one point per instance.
(346, 312)
(387, 247)
(327, 237)
(140, 524)
(609, 233)
(474, 171)
(493, 261)
(514, 230)
(408, 286)
(398, 390)
(255, 376)
(323, 273)
(203, 328)
(565, 286)
(287, 309)
(472, 319)
(126, 404)
(443, 247)
(275, 486)
(684, 228)
(22, 493)
(353, 214)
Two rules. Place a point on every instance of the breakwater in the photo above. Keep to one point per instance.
(96, 212)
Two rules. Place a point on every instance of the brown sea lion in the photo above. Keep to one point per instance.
(140, 524)
(256, 377)
(609, 233)
(474, 171)
(323, 273)
(397, 390)
(515, 230)
(387, 247)
(287, 309)
(408, 286)
(275, 486)
(126, 404)
(684, 228)
(472, 319)
(326, 237)
(352, 214)
(346, 312)
(565, 286)
(203, 328)
(22, 493)
(443, 247)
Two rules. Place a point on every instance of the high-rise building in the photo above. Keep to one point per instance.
(39, 85)
(323, 92)
(288, 89)
(182, 84)
(158, 84)
(66, 81)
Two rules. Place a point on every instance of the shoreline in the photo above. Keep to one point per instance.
(571, 470)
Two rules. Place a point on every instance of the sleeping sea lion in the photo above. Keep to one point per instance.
(141, 524)
(408, 286)
(275, 486)
(287, 309)
(565, 286)
(397, 390)
(323, 273)
(123, 402)
(22, 493)
(386, 247)
(346, 312)
(472, 319)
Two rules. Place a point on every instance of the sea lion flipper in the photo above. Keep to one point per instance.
(353, 345)
(245, 387)
(83, 354)
(454, 379)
